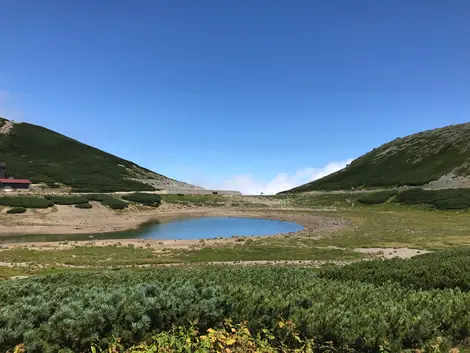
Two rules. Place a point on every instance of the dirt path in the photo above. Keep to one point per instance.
(388, 253)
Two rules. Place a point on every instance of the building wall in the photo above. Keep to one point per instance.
(14, 186)
(2, 172)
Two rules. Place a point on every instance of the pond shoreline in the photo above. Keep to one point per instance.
(135, 219)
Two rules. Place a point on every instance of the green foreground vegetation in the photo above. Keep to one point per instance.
(75, 311)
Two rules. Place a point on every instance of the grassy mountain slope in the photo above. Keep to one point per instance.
(414, 160)
(42, 155)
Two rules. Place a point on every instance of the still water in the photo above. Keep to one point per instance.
(186, 228)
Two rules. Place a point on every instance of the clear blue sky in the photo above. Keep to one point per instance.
(230, 92)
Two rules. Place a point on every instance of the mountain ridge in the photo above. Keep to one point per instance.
(45, 156)
(436, 157)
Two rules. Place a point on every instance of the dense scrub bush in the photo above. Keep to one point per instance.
(443, 269)
(446, 199)
(115, 204)
(25, 201)
(17, 210)
(97, 197)
(84, 205)
(375, 198)
(75, 310)
(41, 155)
(145, 199)
(414, 196)
(66, 200)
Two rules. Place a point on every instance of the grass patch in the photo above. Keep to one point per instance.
(322, 199)
(7, 272)
(197, 200)
(396, 226)
(94, 256)
(269, 251)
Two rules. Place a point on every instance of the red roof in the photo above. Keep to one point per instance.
(15, 181)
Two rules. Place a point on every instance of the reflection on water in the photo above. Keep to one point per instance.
(183, 228)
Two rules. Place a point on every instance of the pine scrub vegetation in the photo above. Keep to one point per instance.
(73, 312)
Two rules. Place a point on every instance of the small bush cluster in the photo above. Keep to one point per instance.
(97, 197)
(66, 200)
(446, 199)
(115, 204)
(25, 201)
(376, 198)
(84, 205)
(17, 210)
(145, 199)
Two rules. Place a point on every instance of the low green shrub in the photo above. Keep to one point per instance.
(415, 196)
(115, 204)
(25, 201)
(17, 210)
(97, 197)
(66, 200)
(446, 199)
(145, 199)
(376, 198)
(84, 205)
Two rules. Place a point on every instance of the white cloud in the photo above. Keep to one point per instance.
(247, 184)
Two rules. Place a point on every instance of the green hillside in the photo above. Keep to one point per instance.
(414, 160)
(42, 155)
